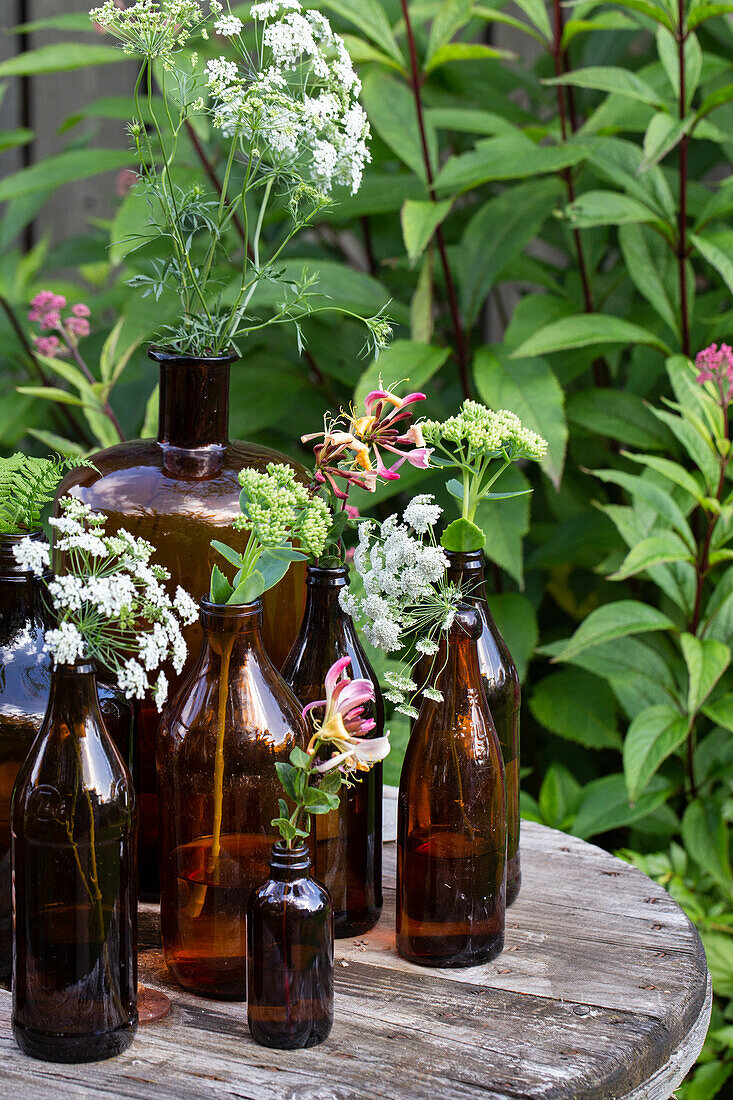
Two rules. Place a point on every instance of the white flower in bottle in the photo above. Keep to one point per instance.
(65, 644)
(185, 606)
(33, 556)
(132, 680)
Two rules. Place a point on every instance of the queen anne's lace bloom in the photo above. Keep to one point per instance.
(420, 514)
(300, 110)
(110, 601)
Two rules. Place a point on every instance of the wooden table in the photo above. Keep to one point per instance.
(602, 991)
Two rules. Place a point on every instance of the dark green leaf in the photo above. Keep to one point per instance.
(248, 589)
(286, 774)
(705, 833)
(68, 167)
(653, 735)
(578, 706)
(231, 556)
(461, 535)
(586, 330)
(221, 589)
(614, 620)
(606, 806)
(59, 57)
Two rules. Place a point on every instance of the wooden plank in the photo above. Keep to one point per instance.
(602, 992)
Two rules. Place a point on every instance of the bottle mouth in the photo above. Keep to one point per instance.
(336, 576)
(465, 557)
(177, 359)
(230, 618)
(290, 859)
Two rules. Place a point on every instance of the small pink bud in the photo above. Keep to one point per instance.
(51, 320)
(80, 310)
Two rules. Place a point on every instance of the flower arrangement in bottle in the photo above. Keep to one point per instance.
(285, 100)
(290, 917)
(74, 815)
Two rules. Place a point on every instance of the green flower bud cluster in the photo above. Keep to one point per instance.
(277, 508)
(486, 431)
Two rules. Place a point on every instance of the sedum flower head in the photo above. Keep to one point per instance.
(478, 430)
(277, 508)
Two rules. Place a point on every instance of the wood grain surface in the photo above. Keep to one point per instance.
(602, 991)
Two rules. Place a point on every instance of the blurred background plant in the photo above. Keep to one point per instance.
(547, 214)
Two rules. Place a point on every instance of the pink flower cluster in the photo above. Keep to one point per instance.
(46, 311)
(715, 364)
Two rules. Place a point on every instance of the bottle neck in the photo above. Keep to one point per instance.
(460, 674)
(193, 421)
(323, 587)
(73, 698)
(232, 631)
(289, 864)
(467, 570)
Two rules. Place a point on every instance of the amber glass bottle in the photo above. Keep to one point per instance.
(179, 492)
(74, 850)
(290, 955)
(451, 817)
(346, 844)
(25, 679)
(503, 694)
(232, 719)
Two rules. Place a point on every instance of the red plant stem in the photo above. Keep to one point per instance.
(62, 410)
(682, 248)
(462, 350)
(600, 370)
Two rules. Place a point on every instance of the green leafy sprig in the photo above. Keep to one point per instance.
(27, 486)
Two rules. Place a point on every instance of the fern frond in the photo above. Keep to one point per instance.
(27, 485)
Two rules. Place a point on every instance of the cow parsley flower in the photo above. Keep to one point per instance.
(421, 514)
(110, 601)
(33, 556)
(152, 28)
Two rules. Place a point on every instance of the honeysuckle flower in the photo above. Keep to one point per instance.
(337, 446)
(377, 430)
(343, 722)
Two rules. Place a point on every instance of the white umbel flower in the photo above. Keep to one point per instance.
(33, 556)
(65, 645)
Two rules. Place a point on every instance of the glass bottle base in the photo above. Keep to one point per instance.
(308, 1035)
(465, 955)
(203, 981)
(347, 924)
(74, 1048)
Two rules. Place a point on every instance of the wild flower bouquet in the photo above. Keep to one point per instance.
(284, 98)
(408, 604)
(313, 781)
(480, 443)
(110, 603)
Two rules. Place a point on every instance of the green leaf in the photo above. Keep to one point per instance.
(578, 706)
(651, 551)
(51, 393)
(391, 109)
(709, 1078)
(10, 139)
(720, 711)
(509, 156)
(362, 52)
(606, 806)
(620, 162)
(249, 589)
(231, 556)
(59, 57)
(449, 18)
(586, 330)
(497, 233)
(468, 120)
(649, 264)
(221, 589)
(465, 51)
(560, 794)
(529, 388)
(419, 221)
(505, 523)
(618, 415)
(319, 802)
(272, 569)
(516, 620)
(536, 12)
(671, 470)
(715, 99)
(715, 256)
(705, 834)
(611, 621)
(706, 662)
(461, 535)
(668, 50)
(298, 758)
(68, 167)
(607, 208)
(421, 306)
(654, 734)
(404, 359)
(610, 79)
(286, 775)
(663, 134)
(370, 17)
(642, 488)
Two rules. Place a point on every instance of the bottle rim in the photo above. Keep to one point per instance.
(229, 617)
(176, 358)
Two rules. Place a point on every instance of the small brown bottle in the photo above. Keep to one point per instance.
(451, 818)
(74, 851)
(290, 955)
(346, 844)
(231, 721)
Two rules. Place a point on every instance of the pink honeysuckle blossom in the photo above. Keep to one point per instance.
(344, 725)
(378, 430)
(715, 364)
(330, 453)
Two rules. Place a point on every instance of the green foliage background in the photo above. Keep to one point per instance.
(577, 198)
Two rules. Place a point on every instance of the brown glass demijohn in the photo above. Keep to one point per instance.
(231, 721)
(179, 492)
(346, 844)
(25, 680)
(503, 693)
(290, 955)
(451, 817)
(74, 855)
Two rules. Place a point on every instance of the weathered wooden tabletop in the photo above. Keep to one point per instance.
(602, 991)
